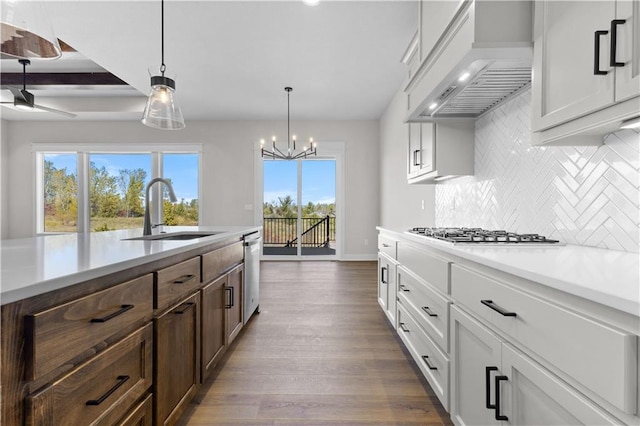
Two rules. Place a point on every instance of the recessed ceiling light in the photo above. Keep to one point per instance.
(433, 106)
(311, 2)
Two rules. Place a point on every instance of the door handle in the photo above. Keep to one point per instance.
(499, 379)
(415, 157)
(120, 382)
(596, 56)
(231, 297)
(382, 271)
(122, 310)
(498, 309)
(614, 42)
(487, 387)
(404, 328)
(425, 358)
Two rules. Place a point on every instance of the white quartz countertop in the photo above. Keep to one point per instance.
(33, 266)
(608, 277)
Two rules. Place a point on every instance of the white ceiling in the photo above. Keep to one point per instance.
(232, 59)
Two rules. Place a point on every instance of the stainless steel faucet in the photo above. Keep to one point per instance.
(147, 216)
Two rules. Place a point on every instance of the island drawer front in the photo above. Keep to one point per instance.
(601, 358)
(100, 391)
(177, 281)
(141, 415)
(432, 269)
(427, 306)
(387, 246)
(432, 362)
(58, 335)
(217, 262)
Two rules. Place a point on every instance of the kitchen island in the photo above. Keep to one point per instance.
(101, 329)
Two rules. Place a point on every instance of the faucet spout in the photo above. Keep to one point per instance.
(147, 215)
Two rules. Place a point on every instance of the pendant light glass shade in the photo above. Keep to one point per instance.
(26, 31)
(162, 111)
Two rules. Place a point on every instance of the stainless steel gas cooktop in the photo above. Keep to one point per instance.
(482, 236)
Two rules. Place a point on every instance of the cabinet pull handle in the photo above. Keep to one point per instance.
(121, 380)
(385, 245)
(404, 328)
(404, 288)
(499, 379)
(596, 56)
(487, 387)
(122, 310)
(415, 157)
(185, 308)
(231, 297)
(428, 311)
(183, 279)
(497, 308)
(614, 42)
(425, 358)
(382, 271)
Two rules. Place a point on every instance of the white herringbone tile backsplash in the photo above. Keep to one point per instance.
(580, 195)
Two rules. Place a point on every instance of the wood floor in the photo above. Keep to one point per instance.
(321, 352)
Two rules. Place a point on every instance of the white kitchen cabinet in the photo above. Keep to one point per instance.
(578, 93)
(493, 383)
(437, 151)
(387, 288)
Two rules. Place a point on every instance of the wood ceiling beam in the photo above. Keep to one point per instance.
(62, 78)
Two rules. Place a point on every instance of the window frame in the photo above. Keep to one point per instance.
(83, 151)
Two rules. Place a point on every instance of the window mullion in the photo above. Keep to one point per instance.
(84, 211)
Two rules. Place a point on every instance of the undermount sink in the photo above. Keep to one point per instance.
(185, 235)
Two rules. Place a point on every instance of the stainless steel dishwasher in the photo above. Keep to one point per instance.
(252, 246)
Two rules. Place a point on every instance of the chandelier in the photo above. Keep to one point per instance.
(290, 154)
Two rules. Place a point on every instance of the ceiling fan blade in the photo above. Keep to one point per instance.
(56, 111)
(17, 93)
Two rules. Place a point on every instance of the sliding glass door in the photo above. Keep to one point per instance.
(299, 207)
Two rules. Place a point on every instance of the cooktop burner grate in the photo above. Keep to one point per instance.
(481, 236)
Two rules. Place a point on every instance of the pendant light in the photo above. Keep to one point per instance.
(162, 111)
(26, 31)
(290, 153)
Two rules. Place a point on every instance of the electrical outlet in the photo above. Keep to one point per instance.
(366, 242)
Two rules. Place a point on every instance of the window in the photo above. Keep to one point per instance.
(92, 189)
(59, 193)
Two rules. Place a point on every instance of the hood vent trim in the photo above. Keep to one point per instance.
(492, 85)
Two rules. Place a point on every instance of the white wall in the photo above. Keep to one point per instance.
(4, 182)
(400, 203)
(228, 166)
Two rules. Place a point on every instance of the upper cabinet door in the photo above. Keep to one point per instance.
(566, 48)
(628, 49)
(414, 150)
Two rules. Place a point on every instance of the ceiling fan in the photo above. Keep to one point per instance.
(24, 100)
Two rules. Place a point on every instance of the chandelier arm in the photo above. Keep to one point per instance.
(275, 148)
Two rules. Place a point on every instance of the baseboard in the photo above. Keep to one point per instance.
(358, 257)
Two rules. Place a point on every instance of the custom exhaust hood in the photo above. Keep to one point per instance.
(482, 59)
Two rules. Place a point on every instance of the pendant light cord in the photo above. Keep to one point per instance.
(163, 67)
(288, 123)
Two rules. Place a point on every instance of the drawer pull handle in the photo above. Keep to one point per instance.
(404, 328)
(121, 380)
(122, 310)
(231, 297)
(499, 416)
(596, 56)
(425, 358)
(497, 308)
(428, 311)
(487, 384)
(404, 288)
(185, 308)
(382, 271)
(614, 43)
(183, 279)
(385, 245)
